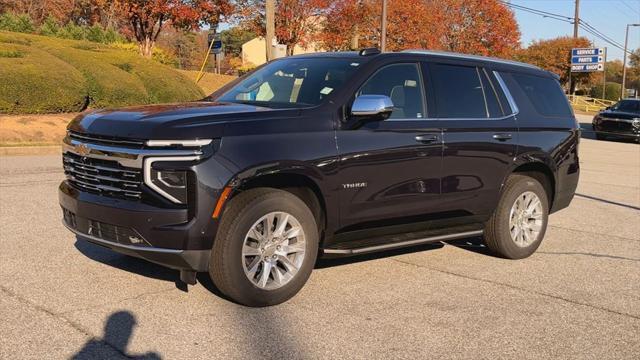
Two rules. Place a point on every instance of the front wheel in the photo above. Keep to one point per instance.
(266, 247)
(517, 226)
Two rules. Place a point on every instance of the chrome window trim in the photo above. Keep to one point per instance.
(148, 161)
(469, 57)
(507, 94)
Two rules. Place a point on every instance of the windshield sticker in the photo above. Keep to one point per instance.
(326, 91)
(410, 83)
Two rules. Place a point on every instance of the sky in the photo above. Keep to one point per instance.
(608, 16)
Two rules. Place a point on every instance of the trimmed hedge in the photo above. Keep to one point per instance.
(43, 75)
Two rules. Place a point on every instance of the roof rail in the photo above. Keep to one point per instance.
(470, 57)
(369, 51)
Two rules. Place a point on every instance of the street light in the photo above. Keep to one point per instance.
(624, 60)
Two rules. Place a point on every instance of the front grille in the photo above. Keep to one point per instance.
(106, 140)
(115, 233)
(613, 125)
(102, 177)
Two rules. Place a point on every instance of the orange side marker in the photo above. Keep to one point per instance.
(221, 200)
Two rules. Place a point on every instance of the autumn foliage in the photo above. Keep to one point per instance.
(147, 17)
(555, 55)
(484, 27)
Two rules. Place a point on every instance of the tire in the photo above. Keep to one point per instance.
(498, 230)
(230, 267)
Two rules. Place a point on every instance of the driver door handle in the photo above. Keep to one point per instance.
(502, 136)
(426, 139)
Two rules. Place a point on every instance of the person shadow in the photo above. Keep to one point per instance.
(113, 345)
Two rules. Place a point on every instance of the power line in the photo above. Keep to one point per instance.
(583, 24)
(630, 7)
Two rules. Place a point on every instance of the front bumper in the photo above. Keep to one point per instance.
(133, 228)
(616, 127)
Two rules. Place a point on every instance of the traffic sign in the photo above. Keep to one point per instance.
(216, 47)
(587, 67)
(588, 59)
(587, 51)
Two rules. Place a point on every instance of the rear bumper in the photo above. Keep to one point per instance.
(163, 236)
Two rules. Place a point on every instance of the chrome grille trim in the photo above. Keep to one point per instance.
(102, 178)
(105, 140)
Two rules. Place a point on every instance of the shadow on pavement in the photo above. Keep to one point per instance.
(608, 201)
(126, 263)
(117, 334)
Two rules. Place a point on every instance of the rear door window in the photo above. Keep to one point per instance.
(544, 93)
(458, 92)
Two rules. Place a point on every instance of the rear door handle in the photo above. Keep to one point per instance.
(427, 139)
(502, 136)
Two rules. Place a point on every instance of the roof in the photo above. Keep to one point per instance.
(443, 54)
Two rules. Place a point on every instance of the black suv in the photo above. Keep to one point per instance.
(328, 154)
(620, 120)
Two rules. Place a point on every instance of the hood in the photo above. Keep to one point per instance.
(619, 114)
(167, 121)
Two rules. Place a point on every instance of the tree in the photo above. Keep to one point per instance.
(147, 17)
(297, 21)
(485, 27)
(233, 39)
(555, 55)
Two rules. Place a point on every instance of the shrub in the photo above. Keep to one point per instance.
(50, 27)
(11, 53)
(38, 82)
(72, 31)
(58, 75)
(612, 91)
(16, 23)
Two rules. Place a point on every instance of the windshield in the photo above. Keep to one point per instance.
(292, 82)
(632, 106)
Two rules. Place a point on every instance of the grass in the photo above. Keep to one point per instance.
(50, 75)
(210, 82)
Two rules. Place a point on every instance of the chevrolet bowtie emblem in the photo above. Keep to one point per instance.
(82, 149)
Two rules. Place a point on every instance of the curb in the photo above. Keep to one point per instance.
(30, 150)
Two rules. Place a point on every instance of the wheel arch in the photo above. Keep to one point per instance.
(301, 184)
(539, 169)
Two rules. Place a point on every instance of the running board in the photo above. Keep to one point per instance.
(401, 244)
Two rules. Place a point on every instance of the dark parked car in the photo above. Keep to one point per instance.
(329, 154)
(621, 120)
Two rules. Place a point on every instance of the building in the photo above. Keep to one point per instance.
(254, 51)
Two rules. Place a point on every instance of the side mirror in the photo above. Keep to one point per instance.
(377, 107)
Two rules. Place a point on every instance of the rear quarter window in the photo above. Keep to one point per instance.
(545, 94)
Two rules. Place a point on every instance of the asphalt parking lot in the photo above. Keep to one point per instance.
(577, 297)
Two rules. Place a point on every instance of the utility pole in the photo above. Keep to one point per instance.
(576, 24)
(576, 20)
(270, 15)
(624, 60)
(383, 27)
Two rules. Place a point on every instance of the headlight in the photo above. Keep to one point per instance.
(636, 123)
(171, 184)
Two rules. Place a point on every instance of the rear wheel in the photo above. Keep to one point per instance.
(517, 226)
(265, 249)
